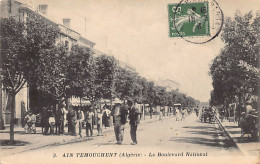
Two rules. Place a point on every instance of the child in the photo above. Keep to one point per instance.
(52, 123)
(30, 120)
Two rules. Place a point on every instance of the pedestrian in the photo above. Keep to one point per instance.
(52, 123)
(177, 114)
(106, 116)
(160, 115)
(134, 120)
(47, 114)
(119, 113)
(183, 113)
(89, 118)
(197, 111)
(151, 112)
(52, 120)
(72, 121)
(60, 118)
(95, 116)
(99, 121)
(30, 120)
(80, 119)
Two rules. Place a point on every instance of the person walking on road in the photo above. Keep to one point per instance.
(151, 113)
(60, 117)
(80, 119)
(99, 121)
(134, 120)
(48, 112)
(119, 113)
(106, 116)
(177, 114)
(89, 122)
(160, 115)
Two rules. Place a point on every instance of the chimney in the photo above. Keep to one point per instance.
(43, 9)
(66, 22)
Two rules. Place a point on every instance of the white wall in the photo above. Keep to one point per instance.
(20, 96)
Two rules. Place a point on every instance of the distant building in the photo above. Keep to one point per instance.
(20, 11)
(168, 84)
(120, 63)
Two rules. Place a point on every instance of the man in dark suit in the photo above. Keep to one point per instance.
(89, 118)
(119, 113)
(60, 119)
(134, 120)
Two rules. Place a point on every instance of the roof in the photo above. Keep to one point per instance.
(86, 41)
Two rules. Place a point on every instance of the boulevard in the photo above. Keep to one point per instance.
(156, 139)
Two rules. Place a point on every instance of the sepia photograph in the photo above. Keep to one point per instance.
(129, 81)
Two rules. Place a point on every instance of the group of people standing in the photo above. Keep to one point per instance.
(77, 118)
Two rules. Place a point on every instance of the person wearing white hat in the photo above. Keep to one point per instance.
(119, 113)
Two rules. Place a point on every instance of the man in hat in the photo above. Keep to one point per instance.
(89, 118)
(134, 120)
(119, 113)
(80, 119)
(60, 118)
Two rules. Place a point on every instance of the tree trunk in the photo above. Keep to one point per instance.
(2, 127)
(80, 101)
(12, 118)
(143, 110)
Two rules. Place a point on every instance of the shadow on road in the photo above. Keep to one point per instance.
(207, 133)
(16, 143)
(220, 143)
(204, 135)
(203, 128)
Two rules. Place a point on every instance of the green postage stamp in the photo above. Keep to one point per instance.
(196, 21)
(189, 19)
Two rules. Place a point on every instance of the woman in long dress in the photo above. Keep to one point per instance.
(177, 114)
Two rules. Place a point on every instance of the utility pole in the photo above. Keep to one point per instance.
(85, 26)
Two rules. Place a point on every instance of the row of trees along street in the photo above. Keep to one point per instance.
(235, 71)
(30, 54)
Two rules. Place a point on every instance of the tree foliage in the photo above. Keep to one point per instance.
(235, 71)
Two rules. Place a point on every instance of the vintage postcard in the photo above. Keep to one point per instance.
(129, 81)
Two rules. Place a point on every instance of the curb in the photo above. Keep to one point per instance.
(228, 134)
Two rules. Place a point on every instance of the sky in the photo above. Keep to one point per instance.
(136, 32)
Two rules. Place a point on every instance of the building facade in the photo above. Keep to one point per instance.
(20, 12)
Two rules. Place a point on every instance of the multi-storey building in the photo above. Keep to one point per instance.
(20, 11)
(168, 84)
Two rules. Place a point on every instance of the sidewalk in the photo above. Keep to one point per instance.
(248, 148)
(36, 141)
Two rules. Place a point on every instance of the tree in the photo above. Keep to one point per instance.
(80, 72)
(41, 37)
(52, 71)
(20, 47)
(235, 71)
(106, 67)
(12, 55)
